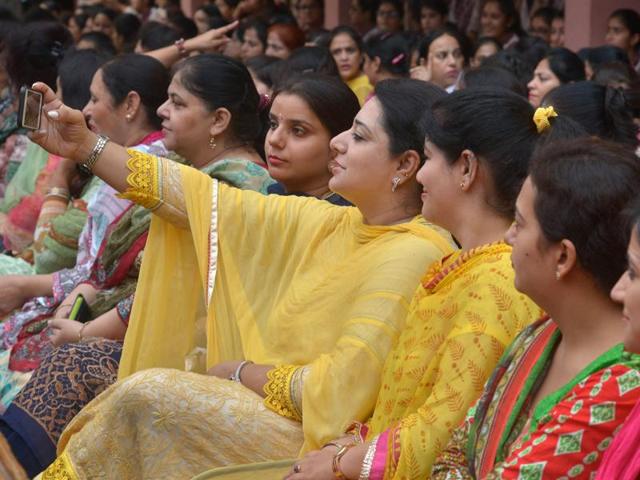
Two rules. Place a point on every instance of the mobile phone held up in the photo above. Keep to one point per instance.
(29, 108)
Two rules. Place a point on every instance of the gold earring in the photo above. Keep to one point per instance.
(557, 275)
(462, 186)
(212, 143)
(394, 183)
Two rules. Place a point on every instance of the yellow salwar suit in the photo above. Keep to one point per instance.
(463, 315)
(276, 280)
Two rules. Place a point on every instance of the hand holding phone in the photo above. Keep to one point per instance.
(29, 108)
(80, 310)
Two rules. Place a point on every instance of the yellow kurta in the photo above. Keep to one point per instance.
(280, 280)
(361, 87)
(463, 315)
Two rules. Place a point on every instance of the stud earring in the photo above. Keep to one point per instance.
(394, 183)
(212, 143)
(557, 275)
(462, 186)
(128, 117)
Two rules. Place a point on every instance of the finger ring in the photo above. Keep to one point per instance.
(296, 468)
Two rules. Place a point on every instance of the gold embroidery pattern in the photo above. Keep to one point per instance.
(144, 186)
(61, 469)
(278, 391)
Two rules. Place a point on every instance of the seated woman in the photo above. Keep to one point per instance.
(125, 94)
(302, 110)
(313, 293)
(466, 310)
(621, 460)
(345, 44)
(209, 97)
(565, 385)
(27, 224)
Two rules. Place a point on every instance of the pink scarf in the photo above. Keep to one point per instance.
(622, 459)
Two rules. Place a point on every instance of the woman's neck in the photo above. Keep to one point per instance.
(589, 321)
(136, 133)
(318, 188)
(207, 156)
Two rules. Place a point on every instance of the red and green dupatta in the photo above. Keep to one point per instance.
(519, 371)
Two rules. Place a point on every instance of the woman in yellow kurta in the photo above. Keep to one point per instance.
(314, 294)
(466, 310)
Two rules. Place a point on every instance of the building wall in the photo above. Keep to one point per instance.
(586, 20)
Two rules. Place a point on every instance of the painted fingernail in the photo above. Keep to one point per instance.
(53, 114)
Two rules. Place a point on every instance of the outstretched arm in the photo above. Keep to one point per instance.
(63, 132)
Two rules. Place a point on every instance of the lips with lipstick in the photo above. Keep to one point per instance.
(275, 161)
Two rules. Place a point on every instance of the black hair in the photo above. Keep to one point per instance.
(565, 65)
(307, 60)
(76, 72)
(96, 10)
(319, 38)
(100, 41)
(532, 48)
(615, 74)
(402, 101)
(35, 51)
(484, 41)
(7, 15)
(329, 98)
(463, 41)
(439, 6)
(141, 74)
(393, 52)
(602, 111)
(38, 14)
(210, 10)
(261, 29)
(583, 189)
(545, 13)
(346, 30)
(509, 10)
(629, 18)
(154, 35)
(222, 82)
(80, 19)
(185, 27)
(370, 7)
(497, 126)
(397, 4)
(512, 61)
(603, 54)
(484, 76)
(264, 68)
(127, 25)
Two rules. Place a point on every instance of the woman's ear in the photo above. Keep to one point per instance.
(409, 164)
(132, 105)
(468, 166)
(220, 120)
(566, 258)
(376, 64)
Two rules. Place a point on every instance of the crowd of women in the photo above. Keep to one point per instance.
(408, 247)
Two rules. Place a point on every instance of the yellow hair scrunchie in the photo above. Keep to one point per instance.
(541, 118)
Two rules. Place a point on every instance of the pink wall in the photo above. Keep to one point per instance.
(586, 20)
(335, 13)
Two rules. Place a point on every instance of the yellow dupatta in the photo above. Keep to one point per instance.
(279, 280)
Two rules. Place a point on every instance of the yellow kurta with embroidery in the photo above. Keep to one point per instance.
(462, 317)
(277, 280)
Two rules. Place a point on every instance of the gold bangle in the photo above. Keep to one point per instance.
(335, 466)
(82, 330)
(332, 444)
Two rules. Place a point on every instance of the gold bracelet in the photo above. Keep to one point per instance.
(82, 330)
(337, 471)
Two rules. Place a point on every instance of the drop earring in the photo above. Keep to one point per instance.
(394, 183)
(212, 143)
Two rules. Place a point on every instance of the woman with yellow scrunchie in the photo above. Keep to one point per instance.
(314, 294)
(466, 309)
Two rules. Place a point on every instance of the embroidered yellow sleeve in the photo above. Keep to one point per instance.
(284, 390)
(60, 469)
(155, 183)
(143, 179)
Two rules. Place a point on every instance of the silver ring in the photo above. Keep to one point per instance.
(296, 468)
